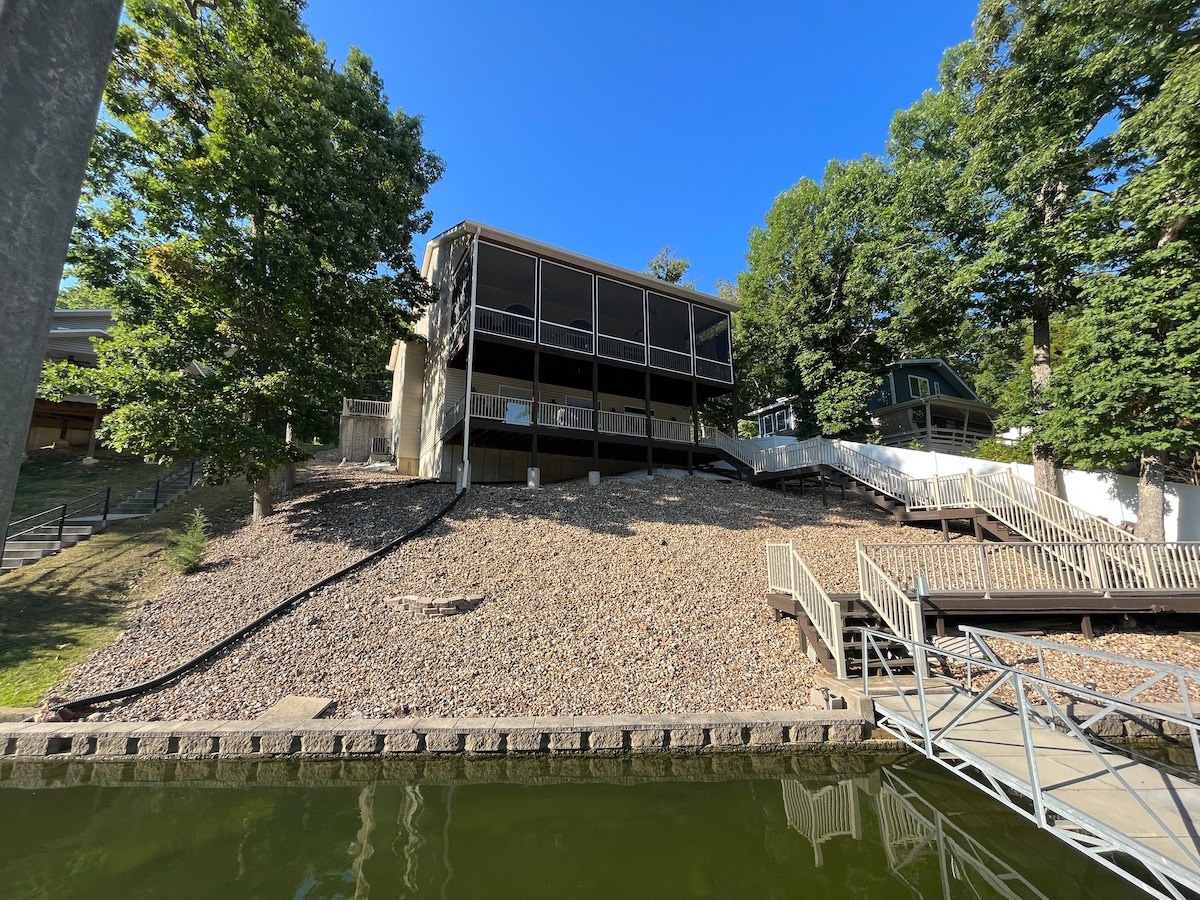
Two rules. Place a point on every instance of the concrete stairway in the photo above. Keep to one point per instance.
(59, 533)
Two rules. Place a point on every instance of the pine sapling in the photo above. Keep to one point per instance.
(186, 552)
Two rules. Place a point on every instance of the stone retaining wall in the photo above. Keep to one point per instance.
(605, 735)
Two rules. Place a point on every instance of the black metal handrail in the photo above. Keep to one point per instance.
(100, 500)
(97, 500)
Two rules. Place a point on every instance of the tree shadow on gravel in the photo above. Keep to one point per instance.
(363, 515)
(615, 508)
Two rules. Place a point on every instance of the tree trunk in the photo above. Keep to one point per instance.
(262, 498)
(1150, 524)
(1044, 475)
(287, 478)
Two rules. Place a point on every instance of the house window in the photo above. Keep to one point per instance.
(766, 425)
(621, 311)
(781, 421)
(918, 386)
(669, 324)
(566, 296)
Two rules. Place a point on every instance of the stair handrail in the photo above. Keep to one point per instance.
(902, 613)
(1078, 523)
(57, 515)
(787, 573)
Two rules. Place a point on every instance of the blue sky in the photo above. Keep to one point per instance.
(612, 129)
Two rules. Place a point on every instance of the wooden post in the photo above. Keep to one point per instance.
(91, 451)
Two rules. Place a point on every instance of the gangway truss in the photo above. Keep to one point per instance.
(1017, 734)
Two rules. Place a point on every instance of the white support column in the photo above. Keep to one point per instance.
(465, 480)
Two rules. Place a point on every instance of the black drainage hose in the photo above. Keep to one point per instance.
(154, 683)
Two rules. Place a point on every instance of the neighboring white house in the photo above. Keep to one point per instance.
(571, 365)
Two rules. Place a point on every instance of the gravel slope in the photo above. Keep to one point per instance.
(627, 598)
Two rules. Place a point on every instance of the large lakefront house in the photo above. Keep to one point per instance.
(536, 358)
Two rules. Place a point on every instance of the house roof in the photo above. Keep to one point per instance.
(529, 245)
(936, 363)
(781, 402)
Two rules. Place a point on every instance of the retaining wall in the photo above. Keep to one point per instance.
(395, 737)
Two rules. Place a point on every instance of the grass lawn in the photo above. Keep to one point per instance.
(51, 477)
(57, 611)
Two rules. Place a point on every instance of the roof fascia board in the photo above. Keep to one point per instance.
(557, 254)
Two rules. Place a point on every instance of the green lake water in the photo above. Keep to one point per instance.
(769, 827)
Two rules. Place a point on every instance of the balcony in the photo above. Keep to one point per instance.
(373, 408)
(514, 411)
(521, 327)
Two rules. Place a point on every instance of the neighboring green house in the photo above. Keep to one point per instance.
(918, 401)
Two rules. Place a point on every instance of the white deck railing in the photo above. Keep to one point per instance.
(902, 613)
(626, 424)
(787, 574)
(828, 812)
(666, 430)
(376, 408)
(1074, 566)
(556, 415)
(502, 409)
(1023, 502)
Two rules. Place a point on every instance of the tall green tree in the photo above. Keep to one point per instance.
(668, 266)
(818, 296)
(1130, 385)
(250, 206)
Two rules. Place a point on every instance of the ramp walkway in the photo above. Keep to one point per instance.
(1009, 508)
(1015, 734)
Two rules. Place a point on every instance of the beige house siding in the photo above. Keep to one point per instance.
(408, 384)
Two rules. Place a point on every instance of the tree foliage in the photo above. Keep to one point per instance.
(668, 266)
(250, 207)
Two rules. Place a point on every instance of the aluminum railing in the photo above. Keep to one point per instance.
(620, 348)
(454, 414)
(502, 409)
(556, 415)
(1064, 566)
(787, 574)
(505, 324)
(666, 430)
(1041, 703)
(377, 408)
(566, 336)
(1038, 510)
(714, 370)
(902, 613)
(671, 360)
(627, 424)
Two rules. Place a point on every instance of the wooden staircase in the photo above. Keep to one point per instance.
(855, 615)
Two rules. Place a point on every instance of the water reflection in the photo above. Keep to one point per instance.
(700, 827)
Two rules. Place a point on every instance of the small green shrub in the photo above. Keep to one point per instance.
(998, 451)
(186, 552)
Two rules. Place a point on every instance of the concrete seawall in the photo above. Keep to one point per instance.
(359, 738)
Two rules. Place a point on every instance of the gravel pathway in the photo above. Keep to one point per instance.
(627, 598)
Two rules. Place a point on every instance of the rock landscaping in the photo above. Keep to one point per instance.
(629, 598)
(637, 597)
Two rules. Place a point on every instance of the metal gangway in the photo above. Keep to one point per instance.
(1029, 740)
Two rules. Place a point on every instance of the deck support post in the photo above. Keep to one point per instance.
(595, 415)
(945, 529)
(1085, 625)
(649, 430)
(533, 417)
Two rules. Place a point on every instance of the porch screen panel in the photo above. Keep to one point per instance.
(670, 333)
(566, 308)
(621, 321)
(507, 280)
(712, 334)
